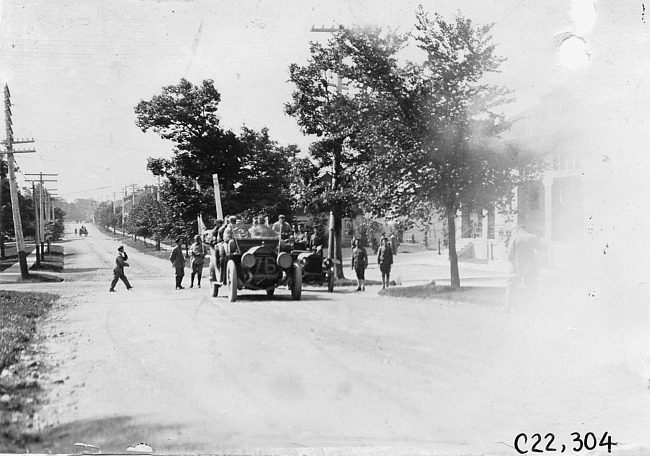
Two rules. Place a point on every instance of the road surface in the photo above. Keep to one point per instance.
(185, 372)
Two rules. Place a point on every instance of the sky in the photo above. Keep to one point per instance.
(76, 69)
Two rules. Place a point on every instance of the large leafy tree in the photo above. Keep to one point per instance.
(186, 114)
(254, 171)
(424, 135)
(322, 108)
(266, 175)
(453, 151)
(150, 217)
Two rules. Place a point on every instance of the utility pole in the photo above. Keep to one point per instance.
(15, 209)
(2, 229)
(37, 229)
(43, 214)
(51, 202)
(52, 198)
(133, 206)
(336, 161)
(123, 204)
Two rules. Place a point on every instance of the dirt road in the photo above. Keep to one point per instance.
(185, 372)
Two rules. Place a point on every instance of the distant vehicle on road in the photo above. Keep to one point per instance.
(254, 263)
(83, 231)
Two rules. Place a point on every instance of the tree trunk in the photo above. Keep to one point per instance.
(338, 221)
(453, 256)
(338, 248)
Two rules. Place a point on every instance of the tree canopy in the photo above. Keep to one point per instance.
(253, 169)
(413, 135)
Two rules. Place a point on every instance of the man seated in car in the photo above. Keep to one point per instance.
(282, 228)
(256, 230)
(301, 238)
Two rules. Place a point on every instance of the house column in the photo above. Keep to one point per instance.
(548, 214)
(485, 228)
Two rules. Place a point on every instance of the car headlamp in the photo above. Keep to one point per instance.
(284, 260)
(248, 260)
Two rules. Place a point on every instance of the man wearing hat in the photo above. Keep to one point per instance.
(282, 228)
(197, 258)
(178, 262)
(118, 270)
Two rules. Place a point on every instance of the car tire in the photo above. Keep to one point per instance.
(330, 281)
(296, 282)
(270, 292)
(231, 281)
(215, 289)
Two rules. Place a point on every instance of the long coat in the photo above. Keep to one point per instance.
(385, 256)
(177, 258)
(359, 259)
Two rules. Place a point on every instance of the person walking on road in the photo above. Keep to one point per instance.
(385, 261)
(197, 258)
(118, 270)
(522, 249)
(359, 264)
(178, 263)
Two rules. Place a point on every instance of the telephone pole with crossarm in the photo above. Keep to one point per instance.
(15, 208)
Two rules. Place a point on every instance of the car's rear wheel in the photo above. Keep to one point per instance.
(270, 292)
(330, 281)
(215, 289)
(231, 281)
(296, 282)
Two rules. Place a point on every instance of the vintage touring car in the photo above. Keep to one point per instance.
(254, 263)
(315, 268)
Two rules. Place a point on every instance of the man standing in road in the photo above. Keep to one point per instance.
(385, 260)
(359, 264)
(197, 257)
(118, 270)
(178, 262)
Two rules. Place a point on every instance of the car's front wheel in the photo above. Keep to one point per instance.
(296, 282)
(330, 281)
(231, 281)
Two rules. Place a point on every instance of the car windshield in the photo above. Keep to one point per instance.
(245, 230)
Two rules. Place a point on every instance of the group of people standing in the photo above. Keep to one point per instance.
(198, 251)
(224, 232)
(360, 262)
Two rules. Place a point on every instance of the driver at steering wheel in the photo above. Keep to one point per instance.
(229, 235)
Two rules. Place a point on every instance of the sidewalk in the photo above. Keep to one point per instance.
(423, 267)
(12, 274)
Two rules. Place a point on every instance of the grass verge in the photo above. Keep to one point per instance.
(139, 245)
(19, 313)
(490, 296)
